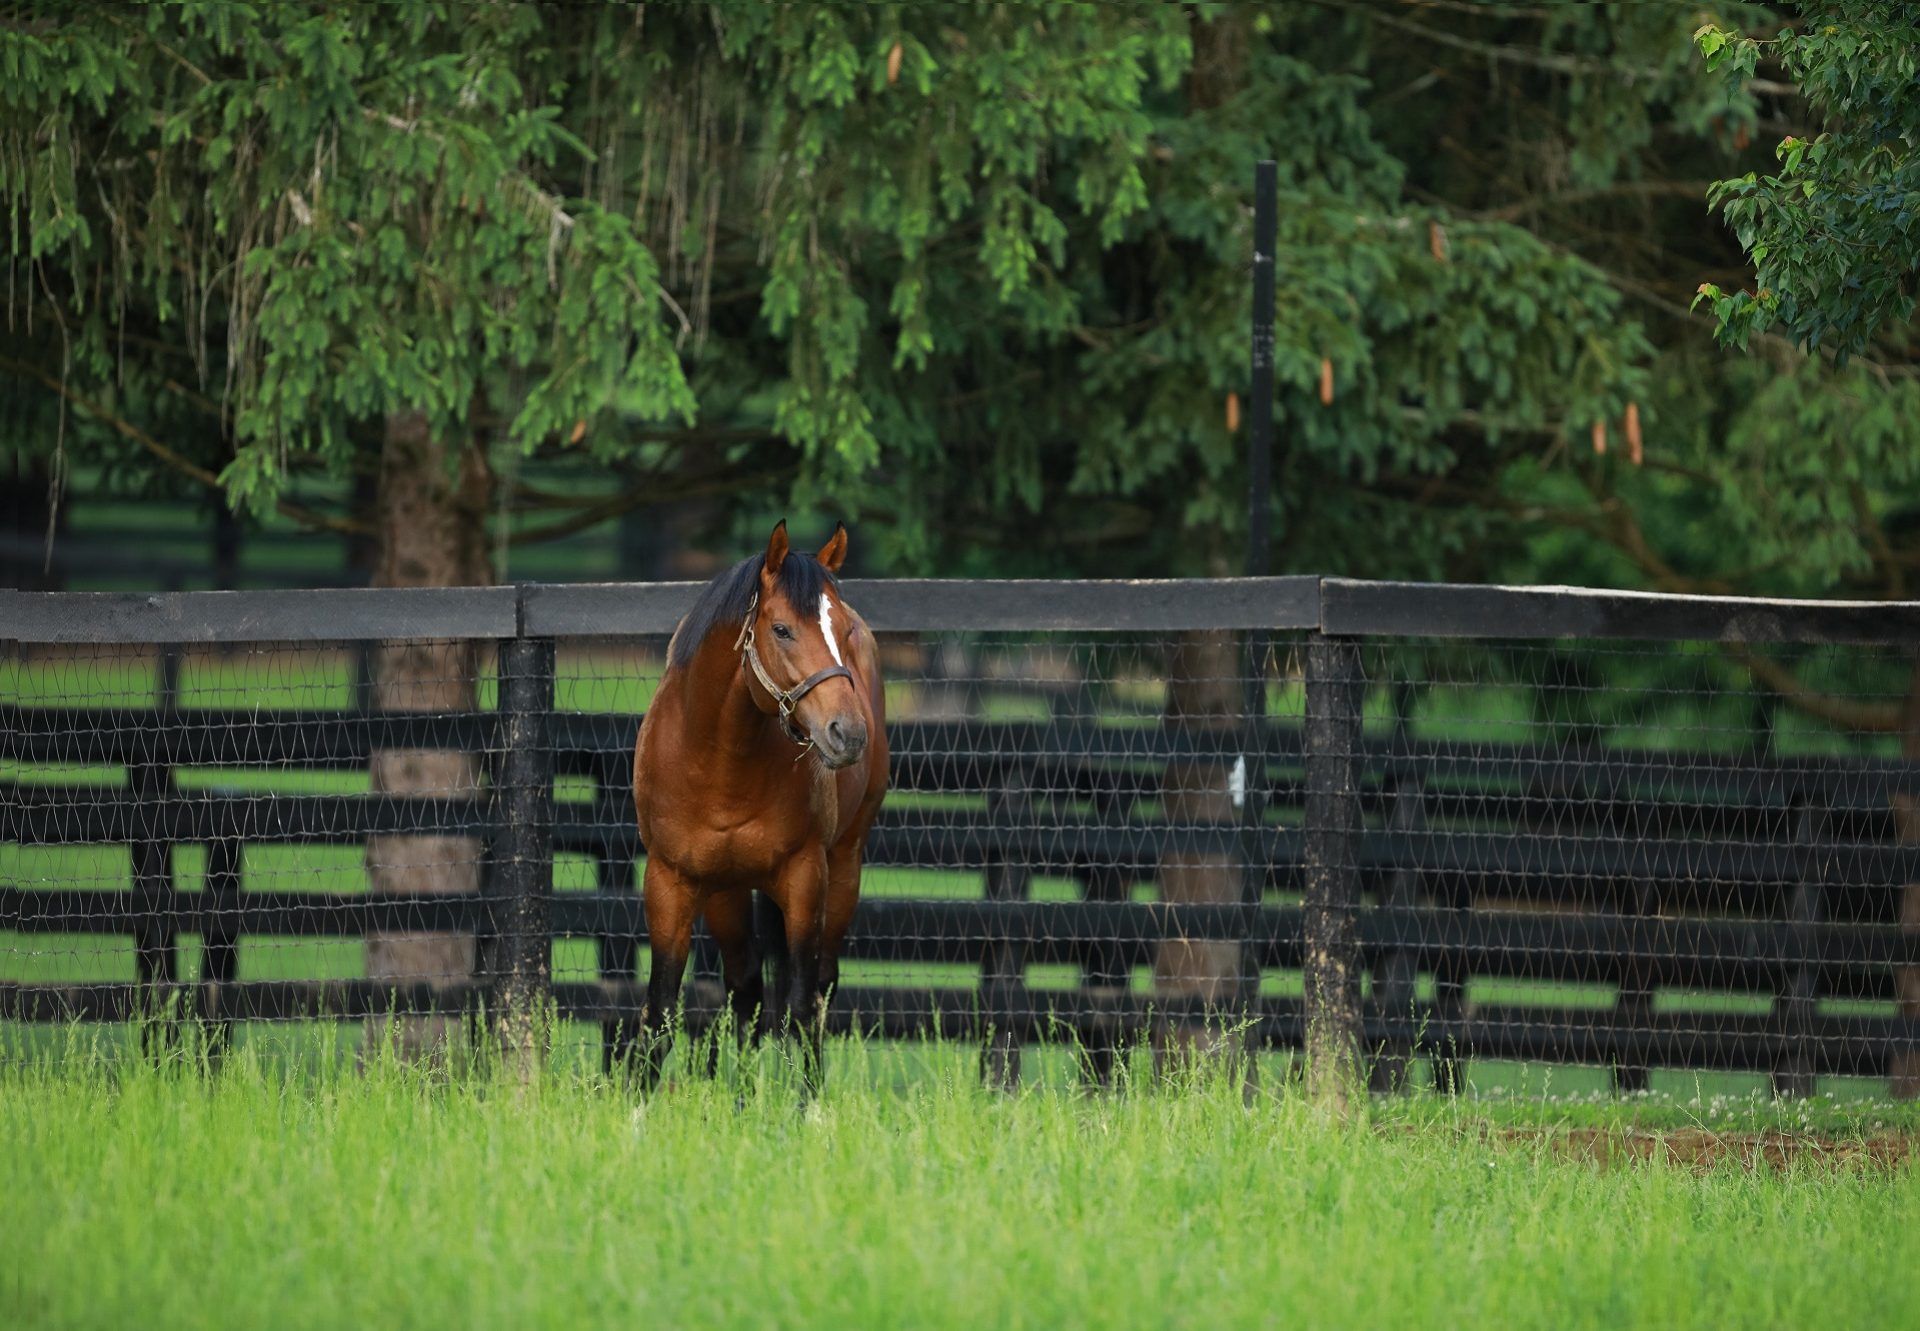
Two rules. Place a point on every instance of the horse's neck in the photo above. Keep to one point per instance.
(718, 711)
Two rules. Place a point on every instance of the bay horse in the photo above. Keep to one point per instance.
(760, 766)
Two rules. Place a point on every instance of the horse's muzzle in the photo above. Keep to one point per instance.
(841, 742)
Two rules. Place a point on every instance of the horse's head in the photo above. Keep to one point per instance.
(801, 652)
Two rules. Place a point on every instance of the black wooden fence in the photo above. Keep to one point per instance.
(1423, 822)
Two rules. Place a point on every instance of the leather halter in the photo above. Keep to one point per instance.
(785, 699)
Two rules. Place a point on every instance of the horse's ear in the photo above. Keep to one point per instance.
(776, 550)
(834, 553)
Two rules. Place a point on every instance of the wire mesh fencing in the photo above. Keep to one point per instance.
(1452, 859)
(1638, 855)
(248, 831)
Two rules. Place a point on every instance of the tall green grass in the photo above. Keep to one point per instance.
(311, 1193)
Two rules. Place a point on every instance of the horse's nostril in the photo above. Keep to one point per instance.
(846, 739)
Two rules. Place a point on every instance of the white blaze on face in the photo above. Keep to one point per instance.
(826, 628)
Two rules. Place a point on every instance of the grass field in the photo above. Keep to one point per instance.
(296, 1192)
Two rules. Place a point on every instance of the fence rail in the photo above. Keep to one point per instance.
(1391, 871)
(1339, 607)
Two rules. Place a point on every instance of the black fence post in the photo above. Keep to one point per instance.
(521, 883)
(1106, 975)
(1106, 978)
(1003, 967)
(219, 941)
(150, 782)
(1635, 902)
(1335, 688)
(1249, 785)
(619, 949)
(1450, 974)
(1793, 1072)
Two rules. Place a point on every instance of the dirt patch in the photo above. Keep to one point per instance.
(1700, 1150)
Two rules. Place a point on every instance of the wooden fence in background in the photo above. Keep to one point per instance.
(1647, 875)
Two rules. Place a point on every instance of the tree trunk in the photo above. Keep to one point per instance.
(1204, 693)
(431, 511)
(1904, 1082)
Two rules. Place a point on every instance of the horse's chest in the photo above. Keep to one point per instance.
(754, 851)
(715, 842)
(737, 823)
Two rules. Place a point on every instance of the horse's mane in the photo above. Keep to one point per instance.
(724, 601)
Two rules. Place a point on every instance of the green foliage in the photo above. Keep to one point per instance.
(359, 199)
(383, 208)
(976, 276)
(1834, 233)
(999, 253)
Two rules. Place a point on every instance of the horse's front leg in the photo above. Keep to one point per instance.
(730, 922)
(801, 891)
(672, 906)
(843, 895)
(770, 940)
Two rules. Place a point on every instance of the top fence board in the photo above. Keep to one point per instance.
(892, 605)
(1333, 605)
(259, 616)
(1453, 610)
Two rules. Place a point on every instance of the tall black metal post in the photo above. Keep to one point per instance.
(1260, 388)
(521, 885)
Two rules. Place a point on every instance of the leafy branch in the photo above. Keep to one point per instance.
(172, 459)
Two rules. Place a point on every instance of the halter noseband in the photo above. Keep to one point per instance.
(785, 699)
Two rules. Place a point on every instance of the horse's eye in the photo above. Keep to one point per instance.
(782, 631)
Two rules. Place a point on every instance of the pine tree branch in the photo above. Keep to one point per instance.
(1883, 552)
(1847, 713)
(1640, 291)
(1528, 56)
(1623, 530)
(1610, 523)
(1622, 189)
(641, 496)
(306, 517)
